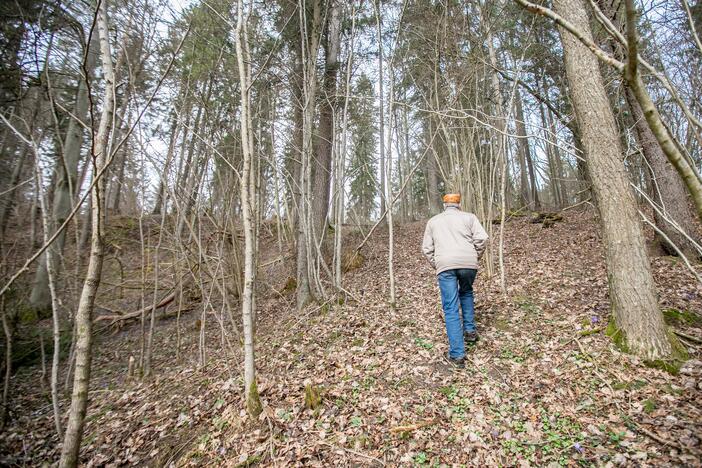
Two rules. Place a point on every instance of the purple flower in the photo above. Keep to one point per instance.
(594, 319)
(578, 447)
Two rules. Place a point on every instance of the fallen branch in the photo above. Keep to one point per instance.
(121, 317)
(587, 200)
(412, 427)
(353, 452)
(657, 438)
(690, 338)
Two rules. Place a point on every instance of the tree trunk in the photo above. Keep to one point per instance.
(667, 188)
(529, 189)
(84, 315)
(638, 321)
(253, 403)
(161, 194)
(66, 184)
(433, 196)
(306, 248)
(325, 140)
(381, 121)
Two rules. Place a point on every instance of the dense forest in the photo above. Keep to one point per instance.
(211, 216)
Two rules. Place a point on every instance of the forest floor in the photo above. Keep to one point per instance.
(543, 386)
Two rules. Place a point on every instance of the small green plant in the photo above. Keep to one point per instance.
(285, 415)
(509, 354)
(220, 423)
(421, 458)
(616, 437)
(562, 434)
(527, 304)
(356, 421)
(450, 392)
(422, 343)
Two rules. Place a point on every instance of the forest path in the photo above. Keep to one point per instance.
(543, 385)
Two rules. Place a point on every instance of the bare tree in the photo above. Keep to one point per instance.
(84, 315)
(253, 403)
(66, 185)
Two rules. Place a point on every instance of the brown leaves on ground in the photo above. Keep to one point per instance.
(542, 387)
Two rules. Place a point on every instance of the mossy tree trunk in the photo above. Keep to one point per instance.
(632, 291)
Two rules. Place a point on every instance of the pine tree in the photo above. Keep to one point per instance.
(364, 180)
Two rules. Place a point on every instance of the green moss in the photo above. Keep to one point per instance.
(590, 332)
(502, 324)
(617, 335)
(28, 315)
(250, 461)
(677, 358)
(253, 401)
(649, 405)
(313, 397)
(681, 317)
(290, 284)
(633, 385)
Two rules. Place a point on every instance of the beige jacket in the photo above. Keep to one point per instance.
(454, 239)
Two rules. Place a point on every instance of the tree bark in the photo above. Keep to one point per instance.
(66, 182)
(529, 189)
(325, 140)
(433, 196)
(637, 318)
(381, 121)
(306, 248)
(83, 318)
(251, 397)
(668, 189)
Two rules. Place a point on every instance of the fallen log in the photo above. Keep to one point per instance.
(546, 219)
(137, 313)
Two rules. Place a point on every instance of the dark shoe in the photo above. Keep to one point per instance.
(471, 337)
(458, 363)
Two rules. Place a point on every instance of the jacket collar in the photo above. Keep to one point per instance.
(449, 206)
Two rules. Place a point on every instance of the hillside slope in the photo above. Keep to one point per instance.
(543, 384)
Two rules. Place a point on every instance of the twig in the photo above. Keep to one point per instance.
(359, 454)
(656, 437)
(271, 439)
(691, 338)
(412, 427)
(587, 200)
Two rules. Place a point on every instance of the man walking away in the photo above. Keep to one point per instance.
(453, 243)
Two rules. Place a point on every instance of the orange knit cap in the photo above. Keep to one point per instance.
(452, 198)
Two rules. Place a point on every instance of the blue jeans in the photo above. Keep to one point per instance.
(457, 286)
